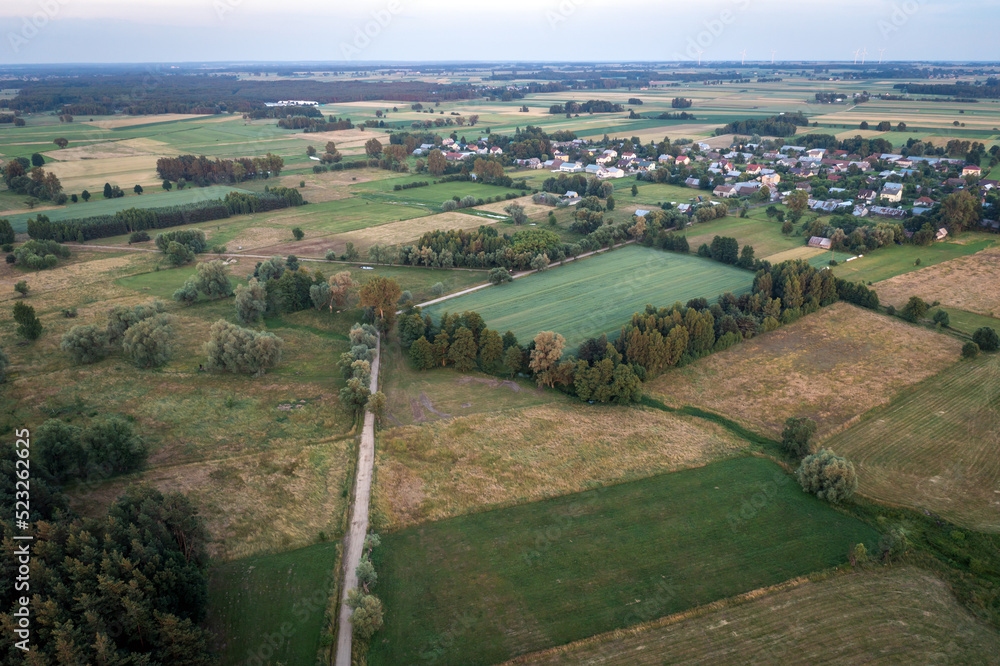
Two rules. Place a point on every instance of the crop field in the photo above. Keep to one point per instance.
(897, 615)
(488, 586)
(763, 234)
(969, 283)
(270, 608)
(831, 366)
(508, 454)
(888, 262)
(935, 446)
(598, 294)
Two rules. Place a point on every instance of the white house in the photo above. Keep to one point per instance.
(571, 167)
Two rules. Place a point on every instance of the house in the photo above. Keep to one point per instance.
(692, 182)
(641, 213)
(685, 209)
(805, 187)
(753, 169)
(684, 159)
(971, 170)
(612, 172)
(771, 180)
(552, 165)
(941, 234)
(605, 157)
(448, 142)
(746, 189)
(643, 165)
(883, 211)
(816, 153)
(453, 156)
(628, 156)
(924, 201)
(665, 158)
(892, 192)
(496, 150)
(594, 169)
(559, 155)
(860, 211)
(724, 191)
(820, 242)
(955, 182)
(571, 167)
(866, 195)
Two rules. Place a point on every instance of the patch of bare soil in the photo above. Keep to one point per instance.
(492, 383)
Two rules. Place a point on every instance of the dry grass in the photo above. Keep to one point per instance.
(91, 174)
(900, 615)
(112, 149)
(449, 467)
(793, 254)
(129, 121)
(533, 210)
(831, 366)
(969, 283)
(405, 231)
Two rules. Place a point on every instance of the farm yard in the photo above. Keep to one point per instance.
(545, 569)
(597, 295)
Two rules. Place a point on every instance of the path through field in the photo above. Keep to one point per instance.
(357, 529)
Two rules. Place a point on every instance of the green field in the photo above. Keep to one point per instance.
(100, 206)
(272, 607)
(598, 294)
(887, 262)
(935, 447)
(486, 587)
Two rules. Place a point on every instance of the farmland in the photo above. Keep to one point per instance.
(935, 446)
(899, 615)
(889, 262)
(831, 366)
(534, 563)
(596, 295)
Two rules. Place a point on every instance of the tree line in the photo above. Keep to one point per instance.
(203, 171)
(783, 125)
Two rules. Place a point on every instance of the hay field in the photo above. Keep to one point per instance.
(832, 366)
(935, 447)
(452, 466)
(898, 615)
(91, 174)
(132, 121)
(111, 149)
(406, 231)
(969, 283)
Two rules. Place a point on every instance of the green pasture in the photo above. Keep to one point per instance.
(886, 262)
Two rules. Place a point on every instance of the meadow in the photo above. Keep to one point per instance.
(888, 262)
(588, 297)
(488, 586)
(934, 447)
(902, 614)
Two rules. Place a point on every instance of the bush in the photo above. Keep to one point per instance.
(298, 233)
(437, 288)
(500, 275)
(138, 237)
(941, 317)
(240, 350)
(147, 342)
(914, 309)
(178, 254)
(39, 254)
(331, 255)
(85, 344)
(970, 350)
(251, 301)
(21, 287)
(828, 476)
(113, 447)
(795, 436)
(987, 339)
(367, 616)
(28, 325)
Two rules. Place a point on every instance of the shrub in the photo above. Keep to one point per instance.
(28, 325)
(113, 447)
(970, 350)
(500, 275)
(367, 616)
(178, 254)
(331, 255)
(437, 288)
(914, 309)
(828, 476)
(147, 342)
(187, 293)
(21, 287)
(941, 317)
(240, 350)
(138, 237)
(85, 344)
(987, 339)
(298, 233)
(121, 317)
(251, 301)
(39, 254)
(795, 436)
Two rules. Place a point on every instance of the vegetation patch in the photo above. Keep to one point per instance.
(968, 283)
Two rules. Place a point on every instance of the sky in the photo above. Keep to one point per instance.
(142, 31)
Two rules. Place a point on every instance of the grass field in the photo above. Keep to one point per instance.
(486, 587)
(271, 608)
(968, 283)
(596, 295)
(509, 455)
(935, 446)
(763, 234)
(888, 262)
(831, 366)
(898, 615)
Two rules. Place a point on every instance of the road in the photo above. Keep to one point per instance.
(357, 529)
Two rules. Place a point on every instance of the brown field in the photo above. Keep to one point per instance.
(969, 283)
(83, 174)
(452, 466)
(533, 210)
(831, 366)
(901, 615)
(404, 231)
(345, 139)
(804, 252)
(111, 149)
(130, 121)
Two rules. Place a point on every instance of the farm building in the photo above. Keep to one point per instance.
(820, 242)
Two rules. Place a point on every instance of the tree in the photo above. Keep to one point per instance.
(147, 342)
(178, 254)
(376, 405)
(373, 147)
(365, 571)
(545, 356)
(108, 191)
(341, 285)
(797, 203)
(319, 294)
(113, 447)
(6, 232)
(422, 354)
(462, 352)
(37, 160)
(942, 317)
(213, 280)
(167, 186)
(499, 275)
(251, 301)
(436, 162)
(828, 476)
(367, 615)
(21, 287)
(490, 351)
(61, 142)
(59, 447)
(960, 211)
(85, 195)
(29, 326)
(986, 338)
(350, 252)
(85, 344)
(914, 309)
(513, 360)
(635, 189)
(381, 294)
(970, 350)
(795, 436)
(516, 212)
(231, 348)
(298, 233)
(137, 189)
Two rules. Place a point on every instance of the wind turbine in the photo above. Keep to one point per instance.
(743, 55)
(699, 57)
(880, 52)
(864, 54)
(856, 53)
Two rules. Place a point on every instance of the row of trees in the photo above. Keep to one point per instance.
(203, 171)
(35, 182)
(142, 333)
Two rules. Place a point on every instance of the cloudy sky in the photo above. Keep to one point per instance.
(57, 31)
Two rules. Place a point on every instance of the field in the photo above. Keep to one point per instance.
(270, 608)
(596, 295)
(899, 615)
(511, 455)
(888, 262)
(935, 446)
(489, 586)
(831, 366)
(968, 283)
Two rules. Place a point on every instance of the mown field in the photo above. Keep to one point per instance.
(888, 262)
(486, 587)
(935, 446)
(830, 366)
(271, 608)
(898, 615)
(598, 294)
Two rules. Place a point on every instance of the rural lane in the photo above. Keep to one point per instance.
(357, 529)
